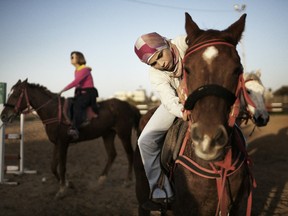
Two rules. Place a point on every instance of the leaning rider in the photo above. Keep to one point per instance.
(85, 92)
(165, 58)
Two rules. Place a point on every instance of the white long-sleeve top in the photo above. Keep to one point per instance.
(165, 84)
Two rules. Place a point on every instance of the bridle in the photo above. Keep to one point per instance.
(214, 89)
(241, 89)
(16, 107)
(209, 89)
(227, 166)
(29, 109)
(246, 114)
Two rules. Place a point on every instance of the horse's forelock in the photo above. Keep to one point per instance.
(253, 76)
(210, 34)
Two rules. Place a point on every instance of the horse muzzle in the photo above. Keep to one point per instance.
(6, 118)
(209, 145)
(261, 121)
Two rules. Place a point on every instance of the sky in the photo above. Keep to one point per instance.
(37, 37)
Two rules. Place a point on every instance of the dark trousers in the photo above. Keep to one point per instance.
(83, 98)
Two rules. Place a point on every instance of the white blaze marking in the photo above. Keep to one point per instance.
(206, 142)
(209, 54)
(256, 95)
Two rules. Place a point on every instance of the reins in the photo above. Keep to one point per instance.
(29, 110)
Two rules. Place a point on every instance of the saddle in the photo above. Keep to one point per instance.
(68, 113)
(170, 150)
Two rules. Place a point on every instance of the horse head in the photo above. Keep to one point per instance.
(17, 102)
(255, 105)
(212, 68)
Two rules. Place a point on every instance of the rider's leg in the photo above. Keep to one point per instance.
(80, 104)
(150, 142)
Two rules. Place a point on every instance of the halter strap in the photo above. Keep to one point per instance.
(241, 89)
(208, 90)
(205, 44)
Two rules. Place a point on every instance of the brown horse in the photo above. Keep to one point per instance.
(210, 173)
(115, 117)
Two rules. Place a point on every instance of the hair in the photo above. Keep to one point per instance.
(80, 57)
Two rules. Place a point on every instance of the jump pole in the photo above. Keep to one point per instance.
(2, 137)
(19, 136)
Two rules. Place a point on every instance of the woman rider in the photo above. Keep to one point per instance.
(165, 58)
(85, 92)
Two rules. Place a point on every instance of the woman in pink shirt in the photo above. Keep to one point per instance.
(85, 92)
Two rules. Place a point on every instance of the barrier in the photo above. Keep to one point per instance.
(275, 107)
(2, 131)
(17, 136)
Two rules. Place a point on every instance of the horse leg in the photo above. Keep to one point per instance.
(126, 142)
(54, 162)
(141, 184)
(111, 153)
(62, 158)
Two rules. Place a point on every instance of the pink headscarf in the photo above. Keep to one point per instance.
(148, 44)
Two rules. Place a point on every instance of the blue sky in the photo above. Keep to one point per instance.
(37, 37)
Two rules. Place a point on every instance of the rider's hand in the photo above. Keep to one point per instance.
(181, 95)
(185, 114)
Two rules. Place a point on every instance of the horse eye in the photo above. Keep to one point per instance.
(187, 70)
(248, 91)
(238, 70)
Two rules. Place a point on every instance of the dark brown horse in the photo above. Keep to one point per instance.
(115, 117)
(210, 173)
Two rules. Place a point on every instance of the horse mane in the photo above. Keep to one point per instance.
(253, 76)
(42, 89)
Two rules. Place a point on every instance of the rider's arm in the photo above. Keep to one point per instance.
(79, 77)
(161, 83)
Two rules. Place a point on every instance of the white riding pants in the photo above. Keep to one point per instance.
(150, 143)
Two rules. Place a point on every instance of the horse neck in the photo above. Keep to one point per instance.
(43, 102)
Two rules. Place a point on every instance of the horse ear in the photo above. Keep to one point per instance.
(237, 28)
(258, 73)
(245, 75)
(192, 28)
(26, 80)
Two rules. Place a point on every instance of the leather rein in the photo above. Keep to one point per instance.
(221, 170)
(24, 94)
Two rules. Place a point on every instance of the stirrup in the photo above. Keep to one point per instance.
(161, 206)
(73, 133)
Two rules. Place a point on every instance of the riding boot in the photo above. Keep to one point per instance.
(73, 132)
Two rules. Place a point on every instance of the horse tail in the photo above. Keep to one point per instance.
(136, 117)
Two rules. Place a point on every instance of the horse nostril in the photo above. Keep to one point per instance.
(260, 121)
(196, 134)
(221, 136)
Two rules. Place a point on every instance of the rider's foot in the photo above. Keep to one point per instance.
(74, 133)
(157, 204)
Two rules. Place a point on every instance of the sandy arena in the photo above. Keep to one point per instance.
(268, 147)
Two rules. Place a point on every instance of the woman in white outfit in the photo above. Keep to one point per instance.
(165, 58)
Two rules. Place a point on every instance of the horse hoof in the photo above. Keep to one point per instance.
(127, 183)
(101, 180)
(69, 184)
(59, 195)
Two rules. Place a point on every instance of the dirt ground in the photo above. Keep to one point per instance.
(268, 147)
